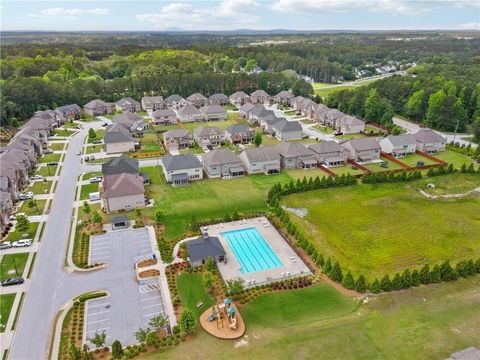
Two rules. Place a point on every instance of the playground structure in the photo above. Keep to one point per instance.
(223, 321)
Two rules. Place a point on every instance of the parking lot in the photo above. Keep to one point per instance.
(130, 305)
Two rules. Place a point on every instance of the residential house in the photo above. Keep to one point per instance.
(240, 134)
(330, 118)
(399, 145)
(284, 98)
(222, 163)
(98, 108)
(363, 150)
(69, 112)
(214, 112)
(285, 130)
(6, 206)
(119, 165)
(205, 136)
(199, 250)
(295, 155)
(120, 192)
(259, 97)
(261, 160)
(164, 117)
(189, 113)
(320, 112)
(348, 124)
(178, 139)
(197, 100)
(297, 103)
(153, 103)
(128, 104)
(118, 140)
(268, 121)
(309, 108)
(429, 141)
(218, 99)
(244, 110)
(239, 98)
(14, 174)
(258, 112)
(329, 153)
(181, 169)
(175, 102)
(131, 121)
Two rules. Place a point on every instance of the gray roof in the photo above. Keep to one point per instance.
(189, 109)
(402, 140)
(67, 108)
(127, 100)
(326, 147)
(196, 96)
(95, 103)
(218, 96)
(150, 100)
(286, 94)
(350, 120)
(426, 136)
(259, 93)
(334, 113)
(321, 108)
(119, 219)
(207, 130)
(364, 144)
(127, 118)
(262, 154)
(123, 184)
(293, 149)
(176, 133)
(213, 109)
(238, 95)
(287, 126)
(163, 112)
(181, 162)
(120, 164)
(259, 111)
(220, 156)
(237, 129)
(116, 133)
(173, 98)
(247, 107)
(202, 248)
(271, 119)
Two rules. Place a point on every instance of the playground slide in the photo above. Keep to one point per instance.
(233, 324)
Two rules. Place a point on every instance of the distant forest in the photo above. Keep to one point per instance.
(45, 70)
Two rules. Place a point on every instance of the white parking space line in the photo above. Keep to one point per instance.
(98, 312)
(100, 329)
(97, 321)
(100, 252)
(154, 313)
(149, 306)
(95, 246)
(150, 298)
(100, 258)
(101, 304)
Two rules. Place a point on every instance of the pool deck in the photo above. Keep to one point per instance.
(292, 264)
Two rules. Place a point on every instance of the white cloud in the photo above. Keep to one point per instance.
(71, 12)
(470, 26)
(401, 7)
(228, 13)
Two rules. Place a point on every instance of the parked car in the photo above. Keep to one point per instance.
(95, 179)
(26, 195)
(5, 245)
(14, 216)
(36, 177)
(22, 243)
(92, 157)
(420, 163)
(97, 141)
(13, 281)
(79, 152)
(86, 158)
(104, 124)
(48, 151)
(52, 163)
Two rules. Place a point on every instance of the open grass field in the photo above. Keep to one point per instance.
(29, 234)
(455, 158)
(308, 173)
(30, 211)
(10, 262)
(453, 184)
(423, 323)
(50, 157)
(39, 187)
(325, 91)
(191, 291)
(373, 229)
(209, 198)
(6, 303)
(87, 189)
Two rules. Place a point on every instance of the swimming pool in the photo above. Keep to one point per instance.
(251, 250)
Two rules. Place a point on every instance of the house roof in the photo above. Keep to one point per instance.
(116, 133)
(213, 109)
(120, 219)
(189, 109)
(286, 94)
(150, 100)
(127, 100)
(237, 129)
(293, 149)
(401, 140)
(176, 133)
(321, 108)
(207, 131)
(349, 121)
(364, 144)
(202, 248)
(286, 126)
(95, 103)
(196, 97)
(247, 107)
(426, 136)
(259, 93)
(163, 112)
(173, 98)
(218, 96)
(238, 95)
(262, 154)
(326, 147)
(123, 185)
(259, 111)
(220, 156)
(181, 162)
(127, 118)
(120, 164)
(334, 113)
(67, 108)
(271, 119)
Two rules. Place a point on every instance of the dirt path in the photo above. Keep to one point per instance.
(340, 288)
(449, 196)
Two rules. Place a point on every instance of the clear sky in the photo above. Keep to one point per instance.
(154, 15)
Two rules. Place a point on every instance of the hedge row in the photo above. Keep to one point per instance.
(390, 177)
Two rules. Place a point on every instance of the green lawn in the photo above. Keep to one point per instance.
(46, 170)
(56, 146)
(149, 143)
(346, 169)
(6, 303)
(50, 158)
(350, 136)
(10, 262)
(89, 175)
(373, 229)
(87, 189)
(29, 234)
(323, 129)
(301, 173)
(454, 157)
(268, 140)
(330, 90)
(233, 118)
(413, 158)
(99, 136)
(191, 291)
(209, 198)
(63, 133)
(375, 167)
(39, 187)
(30, 211)
(423, 323)
(452, 184)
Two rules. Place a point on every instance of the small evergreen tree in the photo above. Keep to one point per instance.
(446, 272)
(327, 267)
(348, 281)
(386, 283)
(336, 273)
(23, 224)
(187, 321)
(406, 279)
(415, 278)
(257, 139)
(397, 283)
(208, 279)
(425, 277)
(210, 264)
(86, 208)
(375, 287)
(91, 133)
(360, 284)
(435, 275)
(97, 218)
(160, 217)
(193, 223)
(117, 350)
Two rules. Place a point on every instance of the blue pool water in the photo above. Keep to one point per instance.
(251, 250)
